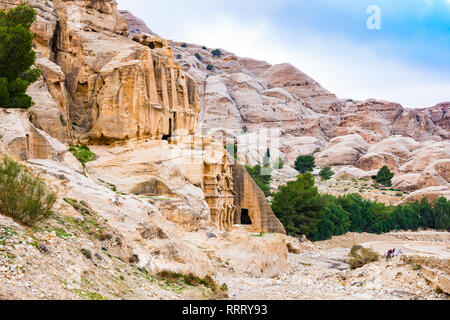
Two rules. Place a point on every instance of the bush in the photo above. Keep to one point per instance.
(216, 53)
(181, 281)
(210, 67)
(305, 164)
(23, 197)
(16, 56)
(361, 256)
(326, 173)
(184, 45)
(178, 56)
(83, 154)
(199, 57)
(384, 177)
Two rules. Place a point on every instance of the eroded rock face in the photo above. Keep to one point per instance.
(427, 166)
(135, 24)
(21, 139)
(245, 96)
(252, 209)
(287, 77)
(431, 193)
(106, 87)
(152, 241)
(345, 150)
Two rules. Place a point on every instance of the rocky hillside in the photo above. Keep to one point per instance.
(150, 207)
(247, 97)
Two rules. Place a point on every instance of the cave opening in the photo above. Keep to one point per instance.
(245, 217)
(167, 136)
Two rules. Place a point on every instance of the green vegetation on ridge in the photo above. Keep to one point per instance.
(303, 211)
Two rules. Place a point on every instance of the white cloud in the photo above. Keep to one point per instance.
(347, 69)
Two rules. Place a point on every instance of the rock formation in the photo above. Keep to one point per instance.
(252, 209)
(246, 96)
(163, 196)
(135, 24)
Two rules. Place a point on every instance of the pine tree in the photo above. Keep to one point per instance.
(298, 206)
(305, 164)
(17, 57)
(384, 177)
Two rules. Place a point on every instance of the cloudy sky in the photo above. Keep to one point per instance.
(407, 60)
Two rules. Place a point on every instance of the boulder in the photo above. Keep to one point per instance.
(341, 151)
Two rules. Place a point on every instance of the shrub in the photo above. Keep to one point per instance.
(178, 56)
(384, 177)
(204, 48)
(83, 154)
(326, 173)
(182, 281)
(17, 57)
(23, 197)
(361, 256)
(210, 67)
(184, 45)
(305, 164)
(199, 57)
(216, 53)
(87, 253)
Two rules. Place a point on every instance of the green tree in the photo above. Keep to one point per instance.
(360, 215)
(216, 53)
(16, 56)
(298, 206)
(326, 173)
(384, 177)
(426, 214)
(441, 214)
(334, 221)
(305, 164)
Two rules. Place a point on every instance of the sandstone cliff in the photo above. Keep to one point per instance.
(248, 97)
(153, 179)
(161, 196)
